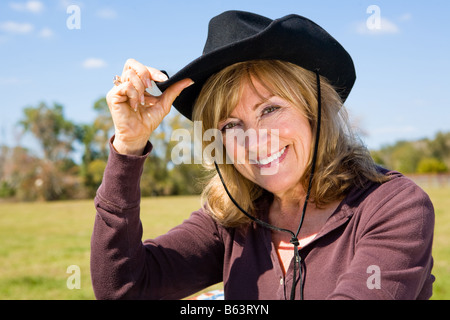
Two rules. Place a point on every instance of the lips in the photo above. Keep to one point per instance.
(268, 161)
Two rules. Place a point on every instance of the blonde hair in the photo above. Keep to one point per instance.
(342, 160)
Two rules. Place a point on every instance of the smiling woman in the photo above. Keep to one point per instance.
(309, 229)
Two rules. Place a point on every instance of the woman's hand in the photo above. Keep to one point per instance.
(135, 112)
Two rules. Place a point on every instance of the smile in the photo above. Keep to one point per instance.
(272, 158)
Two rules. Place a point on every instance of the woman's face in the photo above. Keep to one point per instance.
(268, 139)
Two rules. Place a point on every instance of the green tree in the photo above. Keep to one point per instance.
(440, 146)
(405, 157)
(103, 127)
(94, 137)
(54, 133)
(55, 136)
(422, 156)
(161, 176)
(431, 165)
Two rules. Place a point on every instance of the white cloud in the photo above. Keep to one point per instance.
(107, 13)
(16, 27)
(93, 63)
(46, 33)
(30, 6)
(385, 27)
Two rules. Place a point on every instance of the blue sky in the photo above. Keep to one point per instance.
(403, 68)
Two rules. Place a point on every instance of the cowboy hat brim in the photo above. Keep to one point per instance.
(292, 38)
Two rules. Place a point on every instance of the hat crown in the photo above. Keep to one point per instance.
(236, 36)
(233, 26)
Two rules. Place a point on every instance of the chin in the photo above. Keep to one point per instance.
(277, 184)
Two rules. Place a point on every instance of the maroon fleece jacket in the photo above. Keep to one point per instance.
(376, 245)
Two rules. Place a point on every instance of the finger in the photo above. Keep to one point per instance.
(131, 93)
(171, 93)
(130, 64)
(131, 76)
(157, 75)
(116, 95)
(140, 70)
(145, 73)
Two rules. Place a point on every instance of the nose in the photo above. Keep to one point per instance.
(252, 144)
(257, 144)
(265, 144)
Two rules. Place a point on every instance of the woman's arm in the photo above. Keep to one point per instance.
(175, 265)
(122, 267)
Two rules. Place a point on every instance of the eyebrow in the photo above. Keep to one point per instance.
(265, 100)
(255, 106)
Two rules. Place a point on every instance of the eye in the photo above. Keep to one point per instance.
(229, 125)
(270, 109)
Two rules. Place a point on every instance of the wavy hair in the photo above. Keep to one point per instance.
(342, 160)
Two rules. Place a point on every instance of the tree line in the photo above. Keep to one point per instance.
(424, 156)
(50, 171)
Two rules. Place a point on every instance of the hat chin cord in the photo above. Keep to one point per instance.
(294, 240)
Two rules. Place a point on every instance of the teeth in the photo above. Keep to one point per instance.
(271, 158)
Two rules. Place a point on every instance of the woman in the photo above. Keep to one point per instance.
(300, 211)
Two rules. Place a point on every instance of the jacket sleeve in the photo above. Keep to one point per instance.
(172, 266)
(392, 258)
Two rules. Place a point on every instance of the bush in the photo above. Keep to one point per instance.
(431, 165)
(6, 190)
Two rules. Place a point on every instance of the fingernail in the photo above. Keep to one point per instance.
(161, 77)
(149, 83)
(142, 100)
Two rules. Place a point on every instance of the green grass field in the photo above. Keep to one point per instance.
(39, 241)
(441, 242)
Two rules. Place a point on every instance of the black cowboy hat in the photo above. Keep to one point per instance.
(236, 36)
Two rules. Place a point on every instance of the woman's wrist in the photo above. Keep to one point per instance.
(128, 148)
